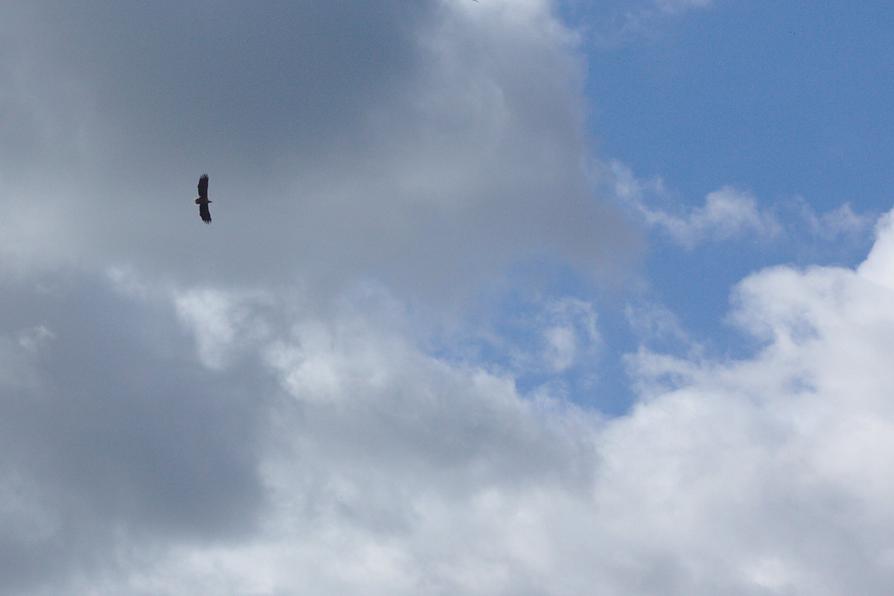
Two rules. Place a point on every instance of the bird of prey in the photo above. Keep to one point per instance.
(202, 201)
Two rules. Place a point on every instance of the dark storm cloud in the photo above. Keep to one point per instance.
(111, 432)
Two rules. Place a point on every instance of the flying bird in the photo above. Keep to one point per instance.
(202, 201)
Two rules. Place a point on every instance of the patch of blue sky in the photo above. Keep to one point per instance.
(782, 98)
(788, 101)
(554, 331)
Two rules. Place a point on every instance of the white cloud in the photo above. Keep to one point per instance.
(392, 471)
(571, 334)
(732, 214)
(655, 323)
(397, 472)
(879, 266)
(727, 214)
(839, 223)
(221, 322)
(543, 337)
(613, 23)
(676, 6)
(561, 347)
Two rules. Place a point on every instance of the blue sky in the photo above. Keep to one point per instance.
(514, 297)
(783, 98)
(786, 100)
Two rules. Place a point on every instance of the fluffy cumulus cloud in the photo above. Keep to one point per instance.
(265, 407)
(338, 456)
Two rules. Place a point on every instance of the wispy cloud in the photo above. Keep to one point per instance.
(678, 6)
(727, 214)
(730, 214)
(836, 224)
(617, 23)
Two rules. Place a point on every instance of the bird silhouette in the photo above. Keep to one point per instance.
(202, 201)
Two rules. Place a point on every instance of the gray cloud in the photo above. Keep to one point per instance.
(112, 433)
(424, 146)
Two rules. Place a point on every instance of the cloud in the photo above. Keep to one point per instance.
(836, 224)
(255, 408)
(762, 475)
(131, 447)
(221, 322)
(730, 214)
(156, 373)
(113, 435)
(573, 333)
(727, 214)
(677, 6)
(32, 339)
(425, 147)
(653, 322)
(615, 23)
(546, 339)
(377, 466)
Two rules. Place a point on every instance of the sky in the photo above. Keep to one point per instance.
(522, 297)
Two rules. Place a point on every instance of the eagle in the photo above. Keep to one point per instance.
(202, 201)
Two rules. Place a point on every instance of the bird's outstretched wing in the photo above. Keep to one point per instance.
(202, 201)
